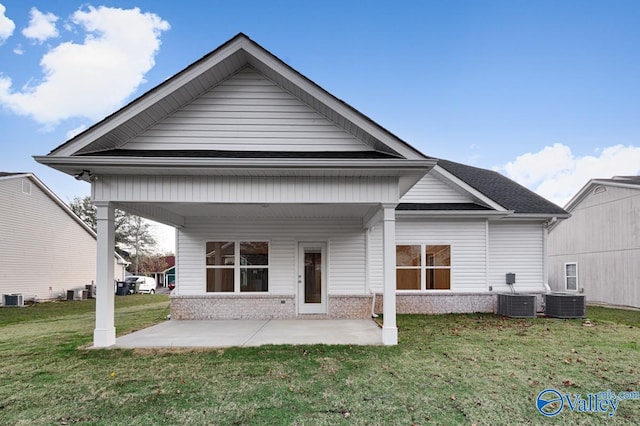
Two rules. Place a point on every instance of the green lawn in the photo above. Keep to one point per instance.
(449, 369)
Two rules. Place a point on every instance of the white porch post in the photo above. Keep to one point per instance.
(104, 334)
(389, 328)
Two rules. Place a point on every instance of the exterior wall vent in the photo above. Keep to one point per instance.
(14, 300)
(565, 305)
(26, 187)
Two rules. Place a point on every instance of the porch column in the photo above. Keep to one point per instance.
(389, 328)
(104, 334)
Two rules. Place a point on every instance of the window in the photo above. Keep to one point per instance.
(438, 267)
(408, 267)
(571, 276)
(423, 267)
(237, 266)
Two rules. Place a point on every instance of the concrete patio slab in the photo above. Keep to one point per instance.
(227, 333)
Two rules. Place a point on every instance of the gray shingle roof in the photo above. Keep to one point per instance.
(5, 174)
(502, 190)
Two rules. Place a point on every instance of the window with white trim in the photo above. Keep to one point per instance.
(237, 266)
(571, 276)
(423, 267)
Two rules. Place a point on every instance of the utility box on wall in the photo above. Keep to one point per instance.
(511, 278)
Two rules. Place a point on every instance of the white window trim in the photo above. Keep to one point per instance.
(423, 267)
(566, 287)
(237, 267)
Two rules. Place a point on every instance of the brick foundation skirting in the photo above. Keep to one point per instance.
(434, 303)
(445, 303)
(263, 307)
(256, 306)
(232, 307)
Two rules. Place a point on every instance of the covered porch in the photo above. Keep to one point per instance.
(288, 227)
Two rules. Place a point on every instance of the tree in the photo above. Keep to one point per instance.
(132, 233)
(154, 263)
(138, 241)
(85, 210)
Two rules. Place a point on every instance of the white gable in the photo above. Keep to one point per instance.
(433, 189)
(247, 112)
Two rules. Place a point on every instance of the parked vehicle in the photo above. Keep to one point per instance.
(140, 284)
(172, 285)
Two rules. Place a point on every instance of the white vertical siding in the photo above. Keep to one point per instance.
(516, 247)
(468, 249)
(345, 240)
(43, 251)
(247, 189)
(430, 189)
(247, 112)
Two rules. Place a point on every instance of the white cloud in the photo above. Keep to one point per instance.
(6, 25)
(556, 174)
(42, 26)
(76, 131)
(93, 78)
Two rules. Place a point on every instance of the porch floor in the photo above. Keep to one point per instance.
(227, 333)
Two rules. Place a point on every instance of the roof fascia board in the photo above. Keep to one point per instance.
(148, 99)
(452, 213)
(326, 98)
(468, 188)
(540, 216)
(257, 163)
(620, 184)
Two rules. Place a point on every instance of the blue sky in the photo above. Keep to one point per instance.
(546, 92)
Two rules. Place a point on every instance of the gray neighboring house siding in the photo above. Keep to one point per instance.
(44, 248)
(602, 238)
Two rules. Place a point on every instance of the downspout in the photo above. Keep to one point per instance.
(545, 236)
(487, 257)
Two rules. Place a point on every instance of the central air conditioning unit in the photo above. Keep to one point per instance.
(517, 305)
(565, 305)
(12, 300)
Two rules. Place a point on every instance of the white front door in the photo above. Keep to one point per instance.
(312, 278)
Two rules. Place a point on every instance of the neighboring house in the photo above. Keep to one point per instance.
(167, 275)
(289, 203)
(45, 248)
(597, 251)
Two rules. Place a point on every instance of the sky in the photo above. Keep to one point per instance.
(545, 92)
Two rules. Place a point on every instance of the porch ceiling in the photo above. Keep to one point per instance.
(158, 211)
